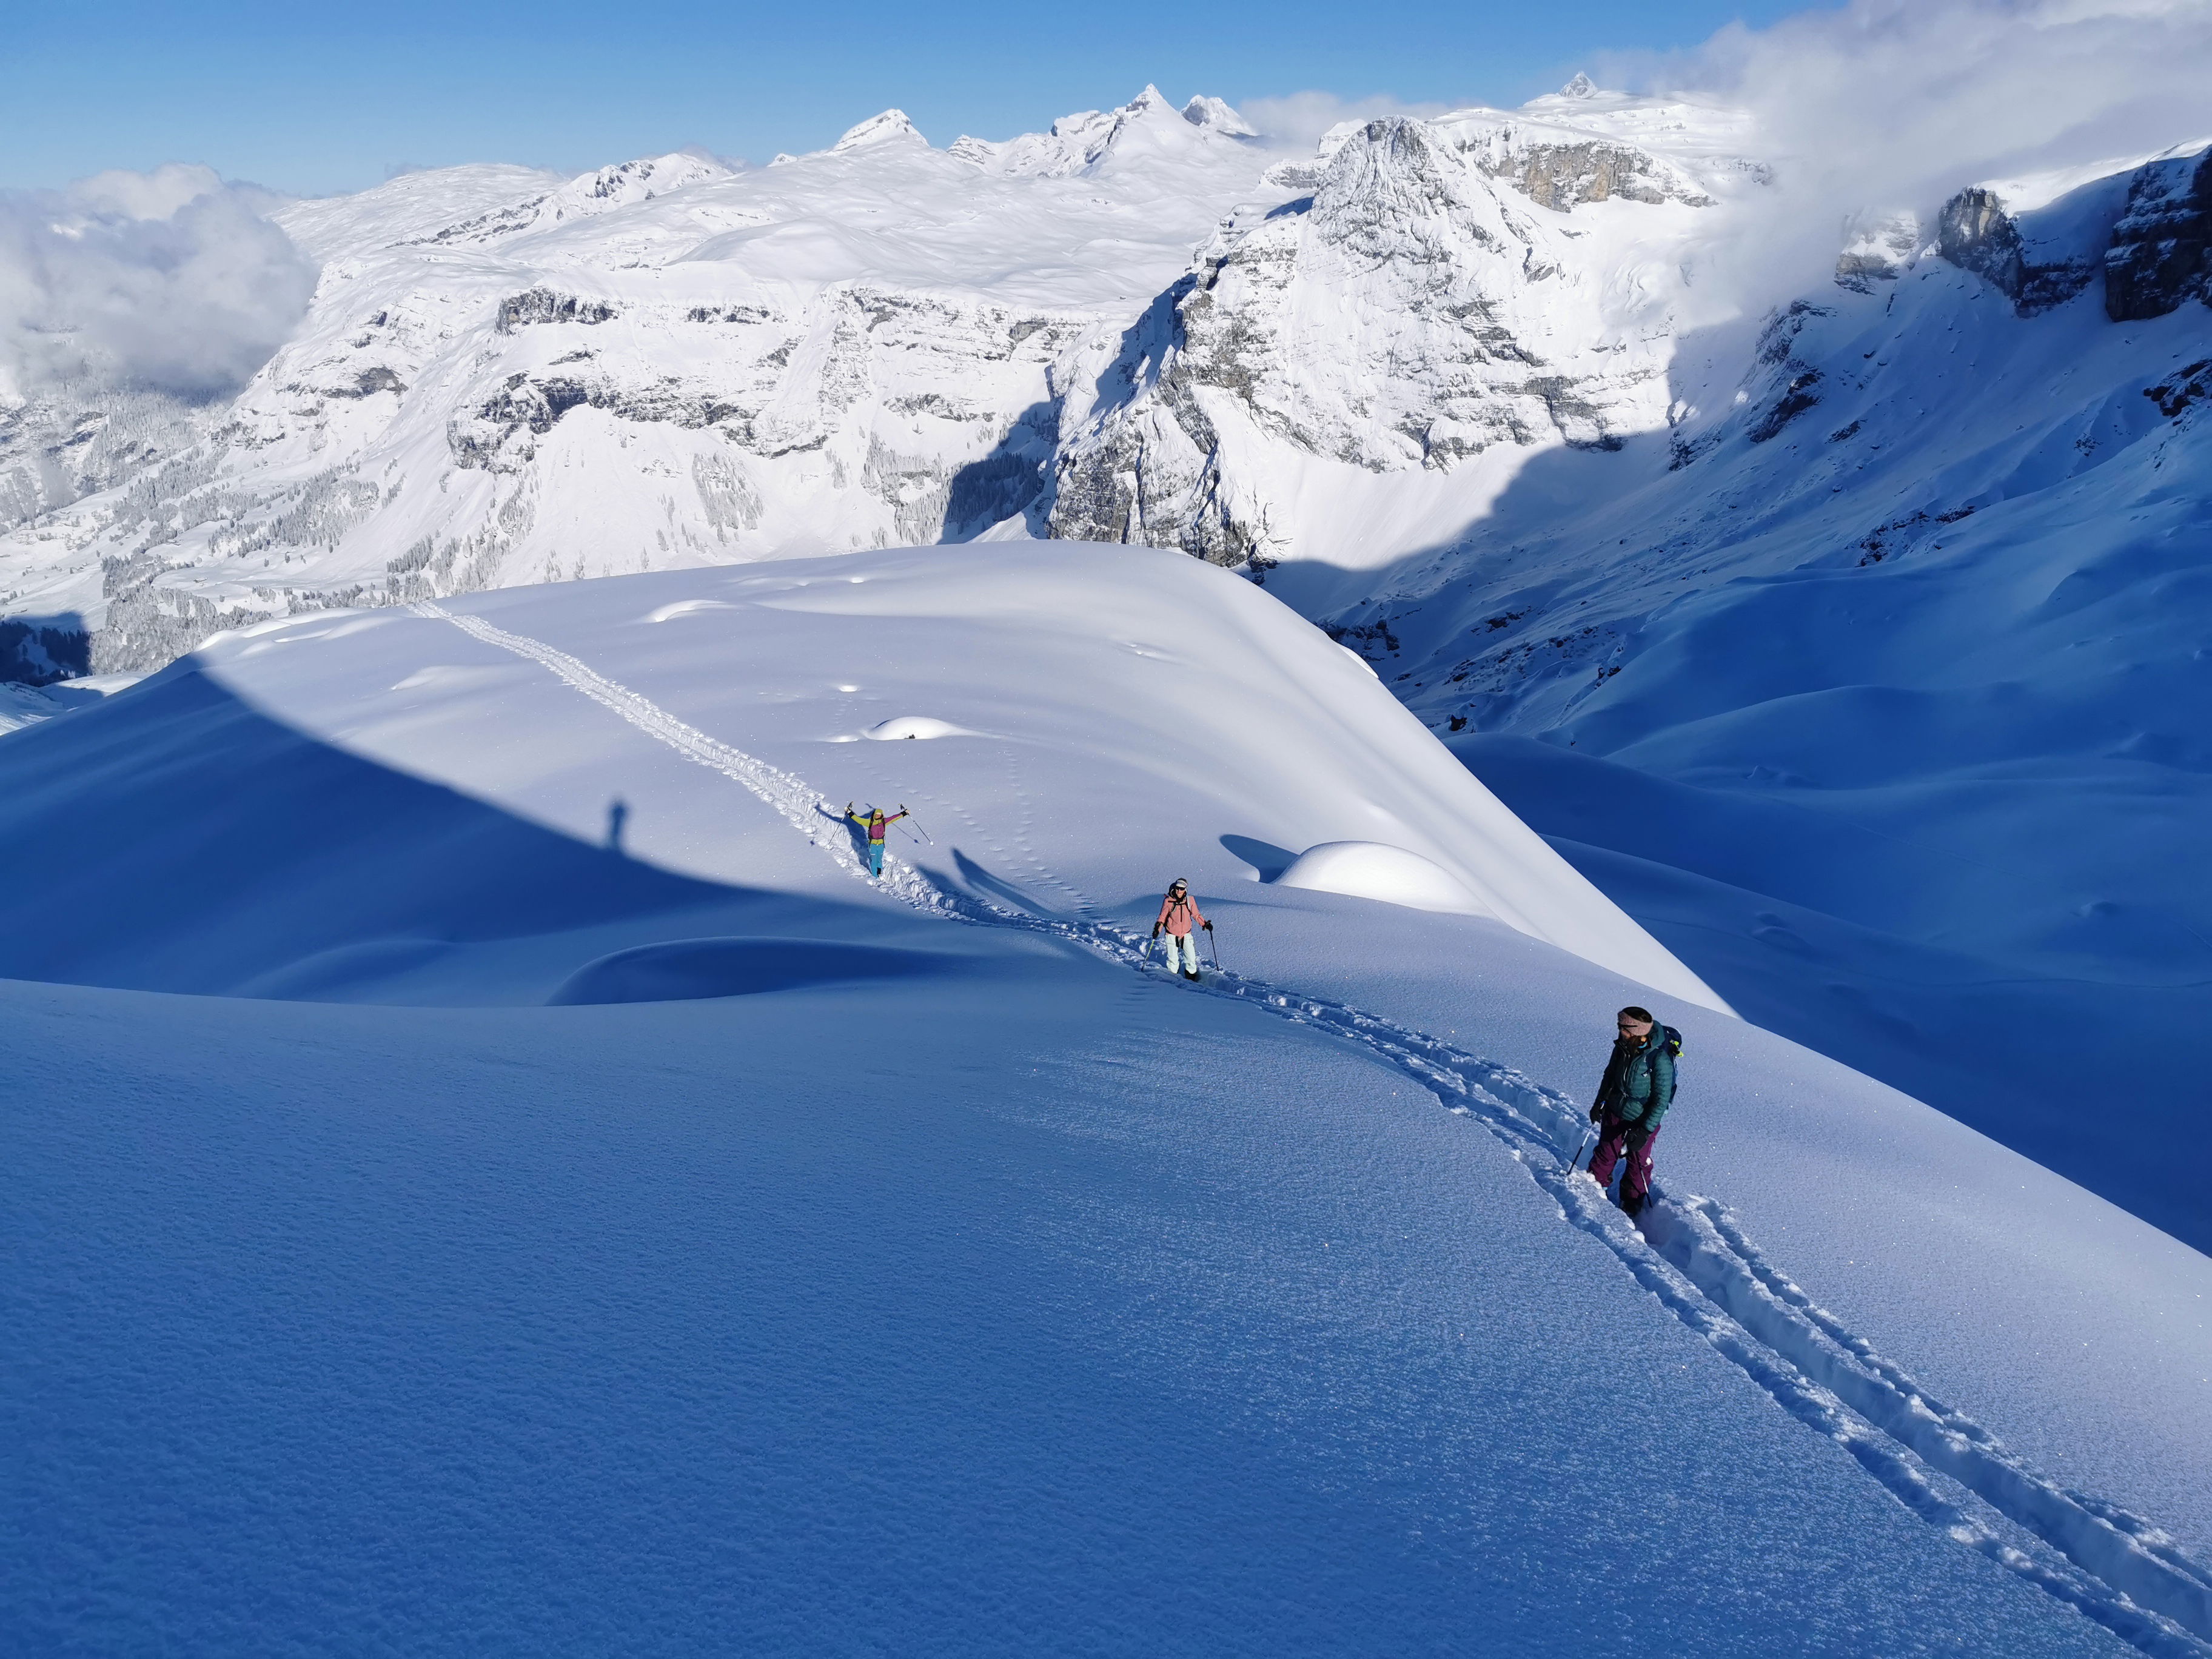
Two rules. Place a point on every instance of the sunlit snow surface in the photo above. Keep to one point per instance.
(958, 1284)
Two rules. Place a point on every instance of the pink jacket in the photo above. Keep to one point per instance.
(1179, 916)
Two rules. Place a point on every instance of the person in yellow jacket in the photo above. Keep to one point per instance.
(877, 826)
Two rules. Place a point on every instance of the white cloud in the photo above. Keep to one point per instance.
(1297, 121)
(170, 280)
(1888, 105)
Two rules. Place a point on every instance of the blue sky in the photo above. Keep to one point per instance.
(313, 98)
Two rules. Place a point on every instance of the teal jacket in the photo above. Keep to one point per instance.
(1639, 1080)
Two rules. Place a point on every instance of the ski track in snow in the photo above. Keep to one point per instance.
(1689, 1253)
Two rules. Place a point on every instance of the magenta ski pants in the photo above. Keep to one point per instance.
(1611, 1141)
(1187, 962)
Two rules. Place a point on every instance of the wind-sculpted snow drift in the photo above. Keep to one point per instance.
(945, 1194)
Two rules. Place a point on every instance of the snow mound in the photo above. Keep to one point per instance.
(916, 726)
(686, 970)
(1374, 870)
(685, 608)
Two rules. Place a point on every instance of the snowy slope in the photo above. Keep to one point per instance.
(949, 1281)
(1019, 645)
(1875, 691)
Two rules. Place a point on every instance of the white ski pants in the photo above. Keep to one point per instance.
(1188, 961)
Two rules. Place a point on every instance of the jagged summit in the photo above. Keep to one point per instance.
(1093, 138)
(1581, 87)
(888, 128)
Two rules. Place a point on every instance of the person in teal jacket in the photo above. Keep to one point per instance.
(877, 826)
(1638, 1089)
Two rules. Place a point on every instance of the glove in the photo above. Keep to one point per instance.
(1207, 926)
(1597, 1114)
(1156, 933)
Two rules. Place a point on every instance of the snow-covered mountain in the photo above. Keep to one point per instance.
(1357, 372)
(1853, 646)
(508, 378)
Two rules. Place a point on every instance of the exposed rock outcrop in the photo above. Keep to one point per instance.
(1976, 233)
(542, 304)
(1877, 250)
(1562, 177)
(2161, 249)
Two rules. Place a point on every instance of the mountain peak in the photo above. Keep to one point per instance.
(1217, 116)
(890, 127)
(1581, 87)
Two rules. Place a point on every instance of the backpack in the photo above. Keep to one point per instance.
(1674, 1043)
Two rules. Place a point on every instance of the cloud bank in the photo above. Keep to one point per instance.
(1886, 106)
(171, 281)
(1296, 121)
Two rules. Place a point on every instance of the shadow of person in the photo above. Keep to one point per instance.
(983, 881)
(858, 832)
(618, 816)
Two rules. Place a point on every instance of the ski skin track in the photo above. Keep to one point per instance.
(1690, 1252)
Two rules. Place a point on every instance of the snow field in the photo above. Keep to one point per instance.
(1087, 1316)
(2119, 1569)
(1801, 1355)
(1136, 721)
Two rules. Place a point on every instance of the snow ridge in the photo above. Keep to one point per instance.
(1689, 1253)
(799, 806)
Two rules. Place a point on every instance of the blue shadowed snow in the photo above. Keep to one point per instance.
(1892, 724)
(916, 1271)
(1083, 1315)
(684, 970)
(1784, 906)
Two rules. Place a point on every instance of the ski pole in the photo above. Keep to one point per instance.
(925, 833)
(1216, 949)
(1579, 1151)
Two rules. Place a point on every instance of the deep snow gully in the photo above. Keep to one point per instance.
(1691, 1253)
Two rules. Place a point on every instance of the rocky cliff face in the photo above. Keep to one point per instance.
(2161, 248)
(1427, 300)
(1976, 233)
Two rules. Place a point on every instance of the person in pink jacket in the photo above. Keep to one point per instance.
(1179, 914)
